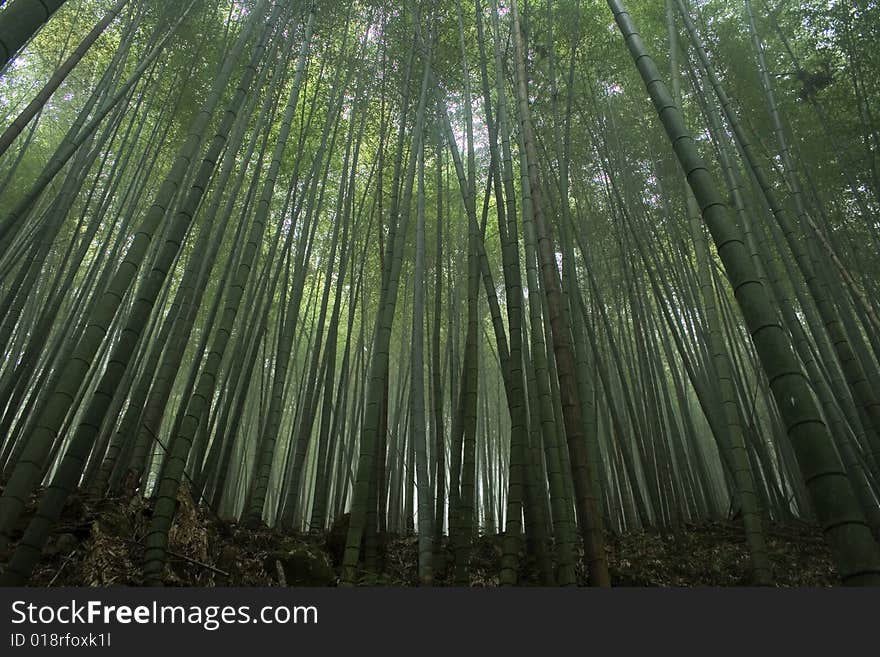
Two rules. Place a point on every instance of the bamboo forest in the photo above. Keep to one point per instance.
(439, 292)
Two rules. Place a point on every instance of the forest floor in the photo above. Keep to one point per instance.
(99, 543)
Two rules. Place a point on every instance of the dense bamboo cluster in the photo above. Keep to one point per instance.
(449, 268)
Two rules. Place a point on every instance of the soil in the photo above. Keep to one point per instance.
(99, 543)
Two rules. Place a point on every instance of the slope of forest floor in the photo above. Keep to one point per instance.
(99, 543)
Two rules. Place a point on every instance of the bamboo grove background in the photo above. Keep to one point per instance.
(546, 269)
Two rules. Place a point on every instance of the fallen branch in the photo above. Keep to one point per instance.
(189, 559)
(61, 567)
(198, 563)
